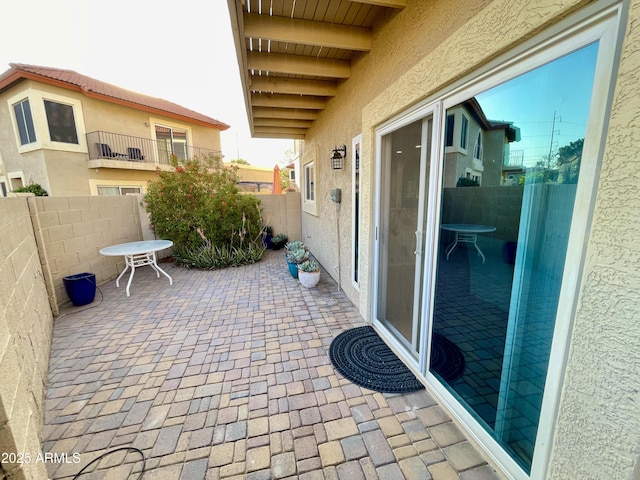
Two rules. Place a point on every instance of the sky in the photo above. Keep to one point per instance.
(560, 89)
(180, 51)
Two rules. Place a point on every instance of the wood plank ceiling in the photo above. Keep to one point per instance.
(293, 54)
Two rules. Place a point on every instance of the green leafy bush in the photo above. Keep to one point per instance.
(467, 182)
(34, 188)
(200, 208)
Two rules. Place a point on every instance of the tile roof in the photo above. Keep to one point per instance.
(105, 91)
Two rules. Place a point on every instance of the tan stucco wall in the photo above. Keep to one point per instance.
(25, 335)
(408, 31)
(597, 433)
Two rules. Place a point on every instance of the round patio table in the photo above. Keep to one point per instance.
(466, 233)
(138, 254)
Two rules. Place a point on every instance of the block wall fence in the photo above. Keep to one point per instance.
(43, 240)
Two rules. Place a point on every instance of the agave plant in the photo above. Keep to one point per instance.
(293, 245)
(297, 255)
(309, 266)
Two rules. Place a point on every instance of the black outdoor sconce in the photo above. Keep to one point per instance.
(337, 159)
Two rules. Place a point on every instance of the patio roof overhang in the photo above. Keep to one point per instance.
(293, 55)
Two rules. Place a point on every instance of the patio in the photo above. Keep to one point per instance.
(225, 374)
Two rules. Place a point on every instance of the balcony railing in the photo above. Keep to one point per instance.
(115, 146)
(514, 159)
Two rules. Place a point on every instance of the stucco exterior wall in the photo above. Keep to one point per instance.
(25, 336)
(410, 32)
(598, 423)
(62, 169)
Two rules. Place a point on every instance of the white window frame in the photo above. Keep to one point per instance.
(356, 216)
(119, 187)
(477, 147)
(463, 136)
(600, 22)
(36, 99)
(310, 176)
(23, 121)
(15, 175)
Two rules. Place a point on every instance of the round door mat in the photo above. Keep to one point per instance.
(361, 356)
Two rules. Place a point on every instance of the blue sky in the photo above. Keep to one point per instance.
(180, 51)
(561, 88)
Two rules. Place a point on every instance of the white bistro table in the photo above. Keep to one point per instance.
(138, 254)
(466, 233)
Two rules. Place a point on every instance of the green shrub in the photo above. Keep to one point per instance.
(467, 182)
(209, 256)
(200, 208)
(34, 188)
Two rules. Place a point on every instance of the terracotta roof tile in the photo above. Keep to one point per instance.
(92, 86)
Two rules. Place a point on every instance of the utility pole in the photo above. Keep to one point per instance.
(553, 132)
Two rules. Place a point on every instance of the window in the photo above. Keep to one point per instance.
(504, 384)
(309, 182)
(171, 141)
(451, 122)
(24, 120)
(61, 121)
(292, 175)
(463, 132)
(519, 276)
(355, 210)
(117, 190)
(477, 149)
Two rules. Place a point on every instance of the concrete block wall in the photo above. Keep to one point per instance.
(71, 231)
(26, 324)
(282, 212)
(495, 206)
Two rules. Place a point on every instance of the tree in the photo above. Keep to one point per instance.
(200, 203)
(569, 158)
(240, 161)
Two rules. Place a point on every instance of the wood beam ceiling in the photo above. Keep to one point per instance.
(384, 3)
(307, 32)
(293, 61)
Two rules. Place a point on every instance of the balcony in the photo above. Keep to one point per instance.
(114, 150)
(513, 160)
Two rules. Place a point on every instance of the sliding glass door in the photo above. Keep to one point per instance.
(404, 180)
(482, 206)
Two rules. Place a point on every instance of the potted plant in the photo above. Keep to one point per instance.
(295, 257)
(279, 241)
(267, 232)
(309, 273)
(294, 244)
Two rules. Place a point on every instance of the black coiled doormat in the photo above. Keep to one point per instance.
(361, 356)
(447, 359)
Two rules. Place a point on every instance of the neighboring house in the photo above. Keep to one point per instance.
(75, 135)
(475, 146)
(547, 319)
(254, 179)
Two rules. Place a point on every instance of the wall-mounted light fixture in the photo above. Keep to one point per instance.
(337, 159)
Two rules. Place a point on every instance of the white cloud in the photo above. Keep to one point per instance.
(179, 51)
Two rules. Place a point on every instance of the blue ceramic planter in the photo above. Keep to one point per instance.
(293, 269)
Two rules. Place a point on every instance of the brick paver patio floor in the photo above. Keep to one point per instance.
(225, 374)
